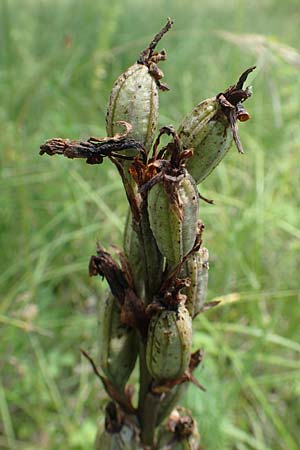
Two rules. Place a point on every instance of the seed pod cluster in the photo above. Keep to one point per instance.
(196, 269)
(162, 250)
(169, 343)
(173, 213)
(117, 343)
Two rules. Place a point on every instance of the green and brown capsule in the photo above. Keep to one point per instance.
(173, 213)
(134, 99)
(169, 344)
(211, 127)
(134, 254)
(118, 345)
(196, 269)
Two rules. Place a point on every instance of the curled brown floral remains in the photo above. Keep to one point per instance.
(94, 149)
(231, 103)
(145, 282)
(150, 58)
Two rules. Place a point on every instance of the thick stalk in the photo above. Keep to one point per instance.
(148, 403)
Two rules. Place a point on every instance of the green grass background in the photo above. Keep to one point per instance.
(58, 60)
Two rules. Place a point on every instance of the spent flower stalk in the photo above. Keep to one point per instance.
(158, 281)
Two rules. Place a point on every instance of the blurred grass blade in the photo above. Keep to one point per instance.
(6, 419)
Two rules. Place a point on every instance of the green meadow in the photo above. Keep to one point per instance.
(58, 61)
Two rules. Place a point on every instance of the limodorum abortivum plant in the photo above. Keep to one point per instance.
(158, 280)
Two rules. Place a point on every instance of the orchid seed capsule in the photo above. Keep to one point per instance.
(196, 269)
(117, 343)
(210, 144)
(173, 217)
(169, 344)
(134, 96)
(133, 252)
(134, 99)
(211, 127)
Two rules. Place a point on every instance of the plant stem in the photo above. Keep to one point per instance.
(153, 267)
(148, 403)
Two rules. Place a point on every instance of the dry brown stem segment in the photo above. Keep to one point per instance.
(148, 52)
(92, 151)
(150, 58)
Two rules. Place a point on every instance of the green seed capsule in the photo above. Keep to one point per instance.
(133, 252)
(192, 127)
(211, 127)
(117, 343)
(207, 130)
(169, 344)
(196, 269)
(174, 225)
(134, 99)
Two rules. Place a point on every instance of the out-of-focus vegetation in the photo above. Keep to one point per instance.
(58, 60)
